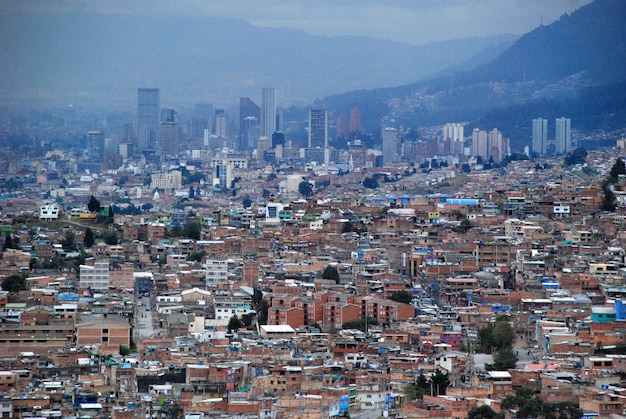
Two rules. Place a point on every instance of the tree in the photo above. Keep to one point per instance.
(401, 297)
(262, 310)
(347, 227)
(265, 193)
(235, 323)
(89, 239)
(331, 272)
(503, 360)
(14, 283)
(147, 207)
(503, 335)
(68, 241)
(192, 230)
(93, 205)
(171, 411)
(440, 382)
(247, 202)
(305, 188)
(196, 256)
(124, 350)
(110, 237)
(370, 183)
(484, 412)
(618, 168)
(464, 226)
(577, 156)
(609, 201)
(8, 242)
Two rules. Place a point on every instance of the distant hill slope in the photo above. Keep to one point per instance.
(568, 63)
(102, 59)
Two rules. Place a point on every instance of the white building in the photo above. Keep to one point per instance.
(216, 272)
(49, 212)
(169, 180)
(95, 277)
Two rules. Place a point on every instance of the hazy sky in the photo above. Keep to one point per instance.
(411, 21)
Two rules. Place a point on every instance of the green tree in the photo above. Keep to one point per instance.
(485, 338)
(247, 202)
(8, 242)
(401, 297)
(235, 323)
(14, 283)
(618, 168)
(68, 240)
(370, 183)
(192, 230)
(331, 272)
(110, 237)
(305, 188)
(196, 256)
(440, 382)
(464, 226)
(124, 350)
(609, 201)
(93, 205)
(504, 359)
(265, 193)
(262, 310)
(484, 412)
(171, 411)
(347, 227)
(503, 335)
(577, 156)
(147, 206)
(89, 239)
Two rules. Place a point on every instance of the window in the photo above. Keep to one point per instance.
(105, 331)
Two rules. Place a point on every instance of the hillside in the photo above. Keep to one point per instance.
(564, 66)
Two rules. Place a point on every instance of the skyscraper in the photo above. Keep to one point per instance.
(318, 128)
(390, 145)
(247, 109)
(540, 136)
(168, 138)
(356, 123)
(95, 147)
(563, 135)
(148, 115)
(268, 112)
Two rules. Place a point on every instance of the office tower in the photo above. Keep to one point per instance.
(148, 115)
(279, 121)
(496, 145)
(127, 132)
(318, 128)
(263, 144)
(356, 124)
(221, 123)
(390, 145)
(169, 136)
(357, 154)
(342, 127)
(95, 147)
(249, 115)
(252, 132)
(268, 112)
(278, 138)
(540, 136)
(563, 135)
(168, 114)
(453, 132)
(479, 143)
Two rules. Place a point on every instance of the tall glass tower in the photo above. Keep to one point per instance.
(268, 112)
(147, 117)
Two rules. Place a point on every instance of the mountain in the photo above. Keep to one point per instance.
(567, 66)
(97, 59)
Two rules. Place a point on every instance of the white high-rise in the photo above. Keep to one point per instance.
(268, 111)
(540, 136)
(563, 135)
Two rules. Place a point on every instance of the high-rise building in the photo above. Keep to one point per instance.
(342, 127)
(278, 138)
(356, 124)
(169, 136)
(247, 109)
(148, 115)
(540, 136)
(268, 112)
(479, 143)
(95, 147)
(390, 145)
(318, 128)
(221, 123)
(563, 135)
